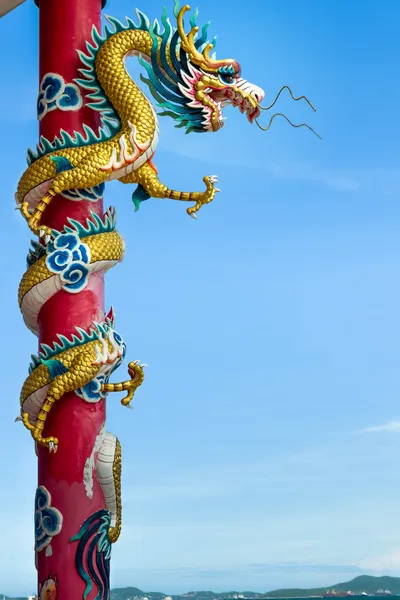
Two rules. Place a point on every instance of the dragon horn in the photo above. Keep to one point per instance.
(202, 60)
(188, 40)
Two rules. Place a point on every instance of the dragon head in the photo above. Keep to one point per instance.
(213, 84)
(190, 85)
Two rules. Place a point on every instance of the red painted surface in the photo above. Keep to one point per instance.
(65, 26)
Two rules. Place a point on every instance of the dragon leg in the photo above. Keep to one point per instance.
(147, 178)
(35, 218)
(80, 373)
(87, 174)
(137, 376)
(37, 428)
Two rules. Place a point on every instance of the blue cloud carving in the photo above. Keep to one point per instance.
(41, 106)
(56, 93)
(92, 392)
(68, 257)
(52, 86)
(70, 99)
(48, 520)
(66, 241)
(75, 277)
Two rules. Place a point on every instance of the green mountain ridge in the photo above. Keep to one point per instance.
(130, 593)
(363, 583)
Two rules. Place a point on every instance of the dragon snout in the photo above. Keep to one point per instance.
(250, 90)
(257, 93)
(251, 96)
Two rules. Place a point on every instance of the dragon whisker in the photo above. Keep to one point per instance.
(290, 123)
(286, 87)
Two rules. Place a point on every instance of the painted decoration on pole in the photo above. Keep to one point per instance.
(94, 553)
(48, 521)
(190, 86)
(55, 94)
(48, 590)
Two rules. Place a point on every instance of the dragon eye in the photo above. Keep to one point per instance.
(229, 79)
(227, 75)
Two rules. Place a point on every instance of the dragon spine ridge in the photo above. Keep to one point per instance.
(47, 352)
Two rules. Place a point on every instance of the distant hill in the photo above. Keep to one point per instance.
(132, 593)
(364, 583)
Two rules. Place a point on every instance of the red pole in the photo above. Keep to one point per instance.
(65, 26)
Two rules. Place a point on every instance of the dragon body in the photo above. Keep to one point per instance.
(75, 253)
(82, 364)
(191, 87)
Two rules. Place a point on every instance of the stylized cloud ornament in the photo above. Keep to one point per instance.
(68, 257)
(56, 93)
(48, 520)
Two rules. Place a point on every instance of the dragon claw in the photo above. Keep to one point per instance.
(135, 371)
(41, 230)
(52, 447)
(136, 363)
(206, 197)
(23, 207)
(51, 442)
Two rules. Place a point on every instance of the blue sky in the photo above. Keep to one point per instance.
(263, 448)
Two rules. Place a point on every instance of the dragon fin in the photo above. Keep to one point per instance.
(138, 196)
(55, 367)
(62, 163)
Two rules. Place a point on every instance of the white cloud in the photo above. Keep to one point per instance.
(391, 426)
(385, 563)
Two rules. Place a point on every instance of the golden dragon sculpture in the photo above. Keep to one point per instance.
(190, 86)
(187, 83)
